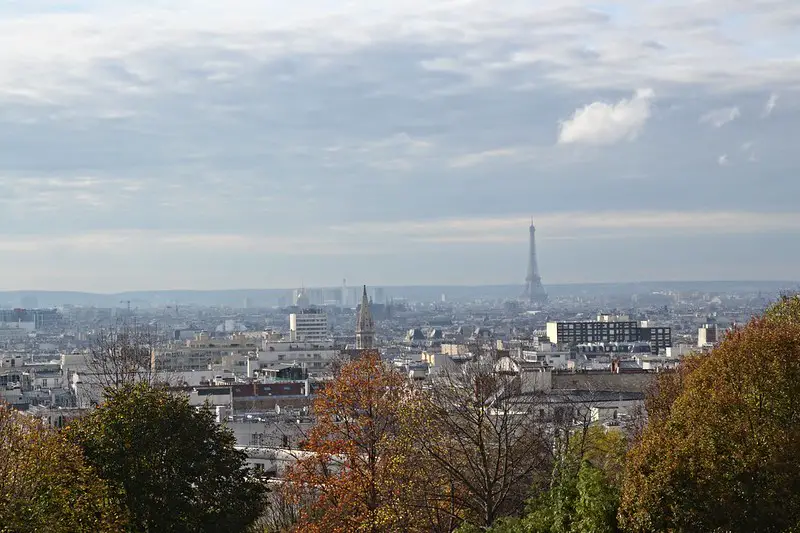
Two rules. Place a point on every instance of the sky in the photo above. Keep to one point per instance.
(199, 144)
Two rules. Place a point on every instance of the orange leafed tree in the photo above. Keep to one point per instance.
(722, 446)
(46, 485)
(359, 472)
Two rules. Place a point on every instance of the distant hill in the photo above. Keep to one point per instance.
(272, 297)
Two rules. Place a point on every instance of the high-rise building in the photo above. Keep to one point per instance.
(309, 325)
(534, 290)
(301, 298)
(708, 335)
(365, 325)
(379, 296)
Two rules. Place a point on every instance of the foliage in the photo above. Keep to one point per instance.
(596, 506)
(358, 471)
(483, 445)
(721, 448)
(45, 485)
(175, 469)
(584, 493)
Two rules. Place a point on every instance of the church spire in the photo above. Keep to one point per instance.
(365, 326)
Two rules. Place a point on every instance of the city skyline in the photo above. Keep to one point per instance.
(191, 145)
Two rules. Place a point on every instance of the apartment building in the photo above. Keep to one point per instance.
(609, 329)
(310, 325)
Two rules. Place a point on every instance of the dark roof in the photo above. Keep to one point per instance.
(581, 396)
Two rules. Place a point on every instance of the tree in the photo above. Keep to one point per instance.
(354, 466)
(598, 501)
(122, 355)
(584, 493)
(721, 448)
(175, 469)
(484, 444)
(118, 356)
(283, 509)
(45, 485)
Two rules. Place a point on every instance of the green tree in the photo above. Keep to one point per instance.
(175, 469)
(45, 485)
(597, 502)
(721, 451)
(584, 492)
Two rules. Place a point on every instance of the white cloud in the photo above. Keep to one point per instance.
(134, 242)
(719, 117)
(398, 152)
(749, 149)
(723, 160)
(200, 116)
(479, 158)
(54, 57)
(579, 225)
(769, 107)
(602, 123)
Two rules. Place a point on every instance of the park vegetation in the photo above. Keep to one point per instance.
(717, 448)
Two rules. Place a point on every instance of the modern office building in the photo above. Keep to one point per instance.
(309, 325)
(608, 329)
(708, 335)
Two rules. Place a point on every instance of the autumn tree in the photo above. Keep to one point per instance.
(174, 467)
(354, 466)
(45, 484)
(484, 444)
(721, 451)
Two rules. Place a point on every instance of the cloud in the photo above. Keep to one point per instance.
(719, 117)
(479, 158)
(579, 225)
(748, 148)
(602, 123)
(192, 119)
(724, 160)
(769, 107)
(398, 152)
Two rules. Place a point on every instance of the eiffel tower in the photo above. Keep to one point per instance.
(534, 290)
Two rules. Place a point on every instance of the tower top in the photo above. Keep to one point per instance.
(365, 325)
(534, 291)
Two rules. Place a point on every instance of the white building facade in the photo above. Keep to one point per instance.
(310, 325)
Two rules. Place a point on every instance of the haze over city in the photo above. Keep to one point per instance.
(153, 145)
